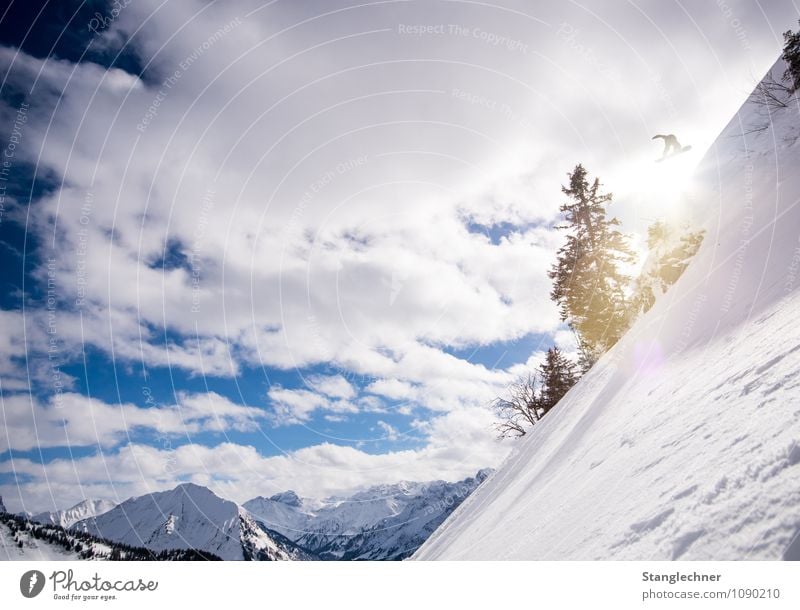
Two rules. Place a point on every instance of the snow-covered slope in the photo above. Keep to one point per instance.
(382, 522)
(682, 442)
(24, 547)
(70, 516)
(24, 540)
(189, 517)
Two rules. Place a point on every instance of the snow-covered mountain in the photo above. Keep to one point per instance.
(24, 540)
(382, 522)
(285, 512)
(191, 522)
(682, 441)
(69, 517)
(190, 517)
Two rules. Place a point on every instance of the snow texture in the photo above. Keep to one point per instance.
(682, 442)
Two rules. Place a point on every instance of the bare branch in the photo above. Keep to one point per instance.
(771, 93)
(520, 409)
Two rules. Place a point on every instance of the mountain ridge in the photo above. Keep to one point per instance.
(189, 517)
(70, 516)
(24, 540)
(382, 522)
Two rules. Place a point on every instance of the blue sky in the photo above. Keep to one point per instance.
(264, 246)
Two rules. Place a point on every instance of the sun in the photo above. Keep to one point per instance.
(664, 180)
(655, 190)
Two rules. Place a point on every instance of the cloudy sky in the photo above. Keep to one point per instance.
(271, 245)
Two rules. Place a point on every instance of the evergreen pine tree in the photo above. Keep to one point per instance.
(791, 55)
(670, 254)
(558, 376)
(587, 282)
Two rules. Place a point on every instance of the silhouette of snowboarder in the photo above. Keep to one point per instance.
(671, 145)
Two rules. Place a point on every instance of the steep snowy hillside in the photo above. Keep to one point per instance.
(70, 516)
(189, 517)
(682, 442)
(384, 522)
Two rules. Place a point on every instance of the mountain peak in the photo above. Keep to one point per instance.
(197, 493)
(189, 516)
(289, 498)
(189, 486)
(484, 473)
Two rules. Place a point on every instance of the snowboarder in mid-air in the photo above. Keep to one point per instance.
(671, 146)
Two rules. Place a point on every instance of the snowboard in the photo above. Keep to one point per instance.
(674, 154)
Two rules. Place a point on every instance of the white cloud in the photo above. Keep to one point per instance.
(318, 182)
(393, 388)
(210, 412)
(291, 406)
(12, 347)
(461, 443)
(74, 420)
(390, 433)
(334, 386)
(275, 277)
